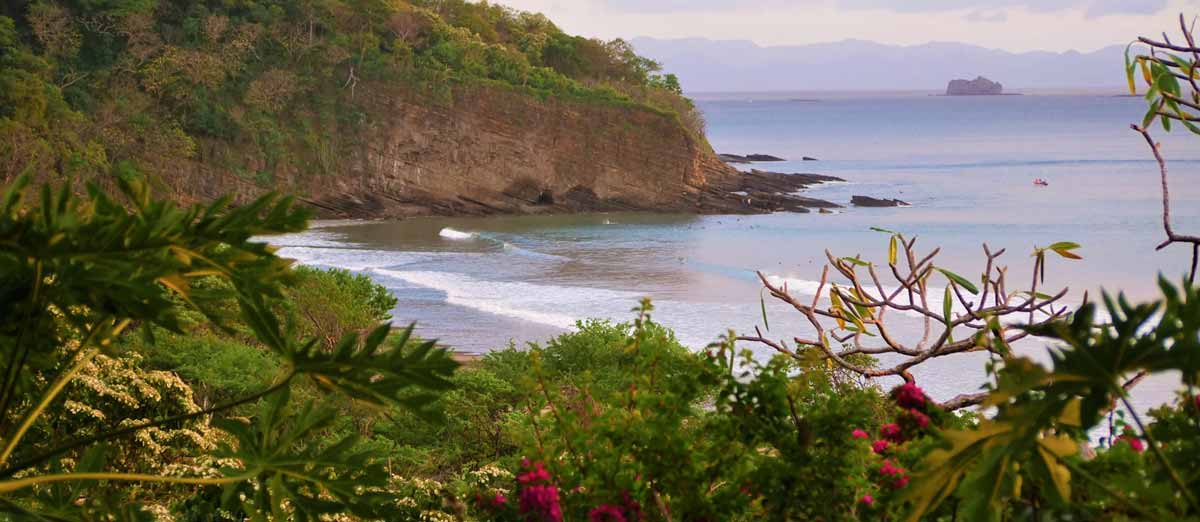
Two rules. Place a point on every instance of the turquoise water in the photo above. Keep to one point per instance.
(965, 164)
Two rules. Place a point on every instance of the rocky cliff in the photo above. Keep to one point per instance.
(491, 150)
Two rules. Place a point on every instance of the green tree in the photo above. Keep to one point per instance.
(77, 274)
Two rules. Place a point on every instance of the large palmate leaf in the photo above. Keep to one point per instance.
(401, 374)
(299, 478)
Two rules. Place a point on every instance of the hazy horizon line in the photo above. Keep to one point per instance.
(876, 42)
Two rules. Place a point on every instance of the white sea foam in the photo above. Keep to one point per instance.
(542, 304)
(352, 258)
(513, 249)
(456, 235)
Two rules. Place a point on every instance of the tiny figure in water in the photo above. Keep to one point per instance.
(1041, 182)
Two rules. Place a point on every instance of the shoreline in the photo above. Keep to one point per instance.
(747, 193)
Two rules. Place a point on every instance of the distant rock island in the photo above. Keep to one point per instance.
(980, 86)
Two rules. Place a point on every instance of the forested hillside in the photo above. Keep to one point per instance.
(236, 96)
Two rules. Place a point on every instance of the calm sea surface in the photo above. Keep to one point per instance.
(965, 164)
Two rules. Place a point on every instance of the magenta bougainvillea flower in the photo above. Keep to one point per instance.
(1133, 441)
(867, 499)
(879, 446)
(859, 434)
(890, 469)
(538, 498)
(606, 513)
(892, 432)
(537, 473)
(920, 419)
(909, 396)
(900, 482)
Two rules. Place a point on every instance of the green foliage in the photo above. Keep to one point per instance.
(76, 274)
(220, 368)
(1028, 451)
(330, 303)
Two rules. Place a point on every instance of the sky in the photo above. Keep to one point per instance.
(1013, 25)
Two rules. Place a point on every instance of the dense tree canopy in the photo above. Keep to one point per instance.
(258, 88)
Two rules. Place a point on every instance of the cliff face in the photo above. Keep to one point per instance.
(492, 150)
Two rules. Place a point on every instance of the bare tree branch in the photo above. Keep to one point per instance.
(856, 320)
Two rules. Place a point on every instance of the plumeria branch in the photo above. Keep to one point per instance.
(1171, 99)
(1172, 236)
(856, 320)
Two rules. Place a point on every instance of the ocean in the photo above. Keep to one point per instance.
(965, 164)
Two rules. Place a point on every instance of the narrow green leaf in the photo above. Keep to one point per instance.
(947, 310)
(962, 281)
(762, 302)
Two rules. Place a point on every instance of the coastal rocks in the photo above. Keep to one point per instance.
(749, 158)
(980, 86)
(808, 158)
(867, 201)
(761, 191)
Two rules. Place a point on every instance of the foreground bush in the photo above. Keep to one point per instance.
(76, 275)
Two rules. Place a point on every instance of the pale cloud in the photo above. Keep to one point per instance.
(1091, 7)
(1015, 25)
(986, 16)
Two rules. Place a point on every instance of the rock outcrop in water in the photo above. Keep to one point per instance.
(749, 158)
(762, 191)
(867, 201)
(980, 86)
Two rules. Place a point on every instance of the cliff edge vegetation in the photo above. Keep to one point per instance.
(361, 107)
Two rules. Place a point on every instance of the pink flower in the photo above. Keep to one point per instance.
(879, 446)
(900, 482)
(1133, 441)
(919, 418)
(537, 474)
(538, 498)
(892, 432)
(859, 434)
(499, 499)
(540, 502)
(909, 395)
(867, 499)
(890, 470)
(606, 513)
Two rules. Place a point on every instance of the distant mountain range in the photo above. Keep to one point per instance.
(738, 65)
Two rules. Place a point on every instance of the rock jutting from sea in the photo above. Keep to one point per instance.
(867, 201)
(980, 86)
